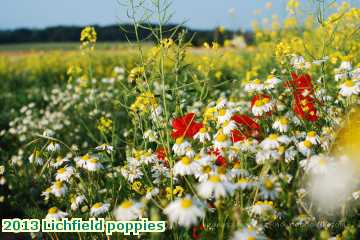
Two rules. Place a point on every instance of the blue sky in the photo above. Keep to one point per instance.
(201, 14)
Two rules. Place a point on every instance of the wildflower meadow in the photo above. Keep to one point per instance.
(229, 140)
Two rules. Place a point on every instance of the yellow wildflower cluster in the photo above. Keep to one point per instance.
(136, 73)
(104, 125)
(144, 102)
(88, 38)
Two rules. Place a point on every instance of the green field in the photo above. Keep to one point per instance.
(65, 46)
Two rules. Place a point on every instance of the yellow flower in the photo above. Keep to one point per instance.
(136, 73)
(88, 38)
(104, 125)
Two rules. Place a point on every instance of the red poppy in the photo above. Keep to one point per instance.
(220, 159)
(304, 104)
(249, 128)
(304, 107)
(237, 136)
(198, 232)
(245, 120)
(161, 155)
(185, 126)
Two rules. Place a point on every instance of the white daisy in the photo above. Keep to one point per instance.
(180, 146)
(248, 233)
(228, 126)
(59, 161)
(299, 62)
(221, 141)
(131, 172)
(305, 147)
(221, 103)
(184, 212)
(128, 210)
(36, 158)
(312, 137)
(82, 161)
(245, 183)
(186, 166)
(263, 156)
(255, 85)
(202, 135)
(99, 208)
(151, 193)
(349, 88)
(271, 82)
(58, 189)
(76, 202)
(345, 66)
(64, 174)
(55, 213)
(214, 186)
(53, 147)
(248, 145)
(317, 164)
(148, 157)
(262, 106)
(93, 165)
(224, 115)
(203, 173)
(46, 193)
(203, 158)
(290, 154)
(190, 153)
(281, 124)
(274, 141)
(262, 208)
(105, 147)
(150, 135)
(238, 171)
(269, 188)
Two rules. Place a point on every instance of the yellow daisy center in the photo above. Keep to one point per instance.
(94, 161)
(349, 83)
(202, 130)
(86, 157)
(243, 180)
(58, 184)
(186, 203)
(179, 140)
(53, 210)
(257, 81)
(215, 179)
(61, 170)
(222, 112)
(270, 76)
(307, 144)
(311, 134)
(322, 162)
(206, 169)
(220, 137)
(126, 204)
(284, 121)
(259, 103)
(185, 160)
(266, 100)
(251, 238)
(97, 205)
(281, 149)
(268, 184)
(273, 137)
(237, 165)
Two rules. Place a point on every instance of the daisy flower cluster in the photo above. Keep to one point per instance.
(221, 146)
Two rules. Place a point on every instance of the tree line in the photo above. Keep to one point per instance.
(118, 33)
